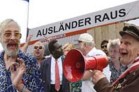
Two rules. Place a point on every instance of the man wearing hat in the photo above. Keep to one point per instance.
(87, 47)
(128, 81)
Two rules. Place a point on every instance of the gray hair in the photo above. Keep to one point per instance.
(5, 23)
(92, 44)
(113, 43)
(39, 43)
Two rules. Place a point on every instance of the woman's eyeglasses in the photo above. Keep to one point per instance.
(38, 47)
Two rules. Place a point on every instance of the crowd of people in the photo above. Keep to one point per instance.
(35, 72)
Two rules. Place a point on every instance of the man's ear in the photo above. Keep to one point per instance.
(84, 44)
(52, 52)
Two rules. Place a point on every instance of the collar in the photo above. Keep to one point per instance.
(91, 51)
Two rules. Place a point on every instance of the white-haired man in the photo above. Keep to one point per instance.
(87, 47)
(18, 72)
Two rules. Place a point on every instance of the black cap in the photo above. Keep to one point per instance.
(130, 30)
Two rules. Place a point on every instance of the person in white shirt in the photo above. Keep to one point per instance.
(87, 47)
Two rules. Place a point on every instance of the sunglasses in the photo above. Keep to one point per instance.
(104, 46)
(38, 47)
(79, 41)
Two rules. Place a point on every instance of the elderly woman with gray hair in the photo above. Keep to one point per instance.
(116, 67)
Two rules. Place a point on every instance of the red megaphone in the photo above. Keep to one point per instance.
(75, 64)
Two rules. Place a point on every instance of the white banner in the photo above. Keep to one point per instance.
(111, 15)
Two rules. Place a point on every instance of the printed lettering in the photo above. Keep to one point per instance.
(97, 18)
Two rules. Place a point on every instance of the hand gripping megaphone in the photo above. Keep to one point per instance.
(75, 64)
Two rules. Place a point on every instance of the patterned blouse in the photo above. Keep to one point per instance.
(114, 72)
(31, 78)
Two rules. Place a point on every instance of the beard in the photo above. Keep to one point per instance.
(11, 53)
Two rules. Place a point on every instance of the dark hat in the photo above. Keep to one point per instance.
(130, 30)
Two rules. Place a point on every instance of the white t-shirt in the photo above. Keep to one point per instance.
(87, 85)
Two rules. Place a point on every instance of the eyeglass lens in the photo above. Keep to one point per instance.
(9, 34)
(36, 47)
(104, 46)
